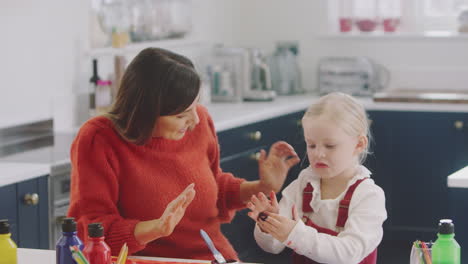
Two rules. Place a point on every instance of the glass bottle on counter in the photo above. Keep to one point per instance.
(8, 254)
(92, 88)
(96, 250)
(103, 96)
(69, 238)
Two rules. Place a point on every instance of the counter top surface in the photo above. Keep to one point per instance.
(225, 116)
(13, 172)
(38, 256)
(458, 179)
(231, 115)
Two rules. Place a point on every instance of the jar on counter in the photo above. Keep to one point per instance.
(345, 15)
(365, 12)
(390, 14)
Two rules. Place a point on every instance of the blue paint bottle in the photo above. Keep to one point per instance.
(69, 238)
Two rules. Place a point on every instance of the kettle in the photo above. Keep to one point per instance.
(286, 74)
(260, 86)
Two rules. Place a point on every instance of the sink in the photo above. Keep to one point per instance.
(423, 96)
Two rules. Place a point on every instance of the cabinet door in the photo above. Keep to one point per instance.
(9, 209)
(33, 227)
(240, 231)
(414, 154)
(460, 124)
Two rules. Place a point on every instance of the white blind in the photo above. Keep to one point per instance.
(437, 8)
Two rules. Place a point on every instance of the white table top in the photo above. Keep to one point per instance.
(458, 179)
(39, 256)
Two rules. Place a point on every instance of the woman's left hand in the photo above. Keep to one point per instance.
(274, 167)
(278, 226)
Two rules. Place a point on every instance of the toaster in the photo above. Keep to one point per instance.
(358, 76)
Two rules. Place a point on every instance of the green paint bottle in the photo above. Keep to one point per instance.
(446, 250)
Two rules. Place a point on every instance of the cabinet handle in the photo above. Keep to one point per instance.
(31, 199)
(255, 136)
(255, 156)
(458, 125)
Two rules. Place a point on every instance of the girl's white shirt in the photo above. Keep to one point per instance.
(361, 234)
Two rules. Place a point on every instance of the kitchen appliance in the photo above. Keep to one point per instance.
(260, 88)
(358, 76)
(237, 74)
(229, 73)
(285, 70)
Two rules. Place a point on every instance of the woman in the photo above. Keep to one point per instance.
(149, 170)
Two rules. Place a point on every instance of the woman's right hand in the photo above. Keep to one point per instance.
(260, 203)
(147, 231)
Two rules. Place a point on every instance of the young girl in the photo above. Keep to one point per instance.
(333, 212)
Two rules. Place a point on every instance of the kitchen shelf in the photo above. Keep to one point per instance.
(379, 35)
(133, 48)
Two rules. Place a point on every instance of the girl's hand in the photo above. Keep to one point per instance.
(274, 167)
(279, 226)
(174, 212)
(260, 203)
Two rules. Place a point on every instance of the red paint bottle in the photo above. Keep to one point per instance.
(96, 250)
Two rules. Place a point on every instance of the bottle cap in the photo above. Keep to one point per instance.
(69, 225)
(446, 226)
(4, 226)
(95, 230)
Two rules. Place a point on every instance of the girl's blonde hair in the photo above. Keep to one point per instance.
(346, 112)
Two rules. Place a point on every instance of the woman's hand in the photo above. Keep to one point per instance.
(147, 231)
(274, 167)
(260, 203)
(278, 226)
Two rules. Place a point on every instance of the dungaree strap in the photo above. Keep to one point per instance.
(341, 220)
(343, 209)
(307, 198)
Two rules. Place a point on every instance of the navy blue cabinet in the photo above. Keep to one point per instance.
(414, 152)
(239, 153)
(25, 205)
(412, 155)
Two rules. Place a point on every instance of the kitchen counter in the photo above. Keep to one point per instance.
(38, 256)
(458, 179)
(13, 172)
(231, 115)
(225, 116)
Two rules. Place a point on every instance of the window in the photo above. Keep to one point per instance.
(412, 16)
(439, 8)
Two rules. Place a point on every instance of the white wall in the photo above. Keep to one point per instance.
(31, 65)
(43, 46)
(417, 63)
(43, 51)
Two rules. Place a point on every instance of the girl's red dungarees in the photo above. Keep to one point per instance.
(340, 221)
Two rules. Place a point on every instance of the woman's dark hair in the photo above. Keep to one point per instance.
(156, 83)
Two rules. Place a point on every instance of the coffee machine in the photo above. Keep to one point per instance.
(260, 88)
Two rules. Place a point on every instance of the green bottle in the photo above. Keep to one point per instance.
(7, 246)
(446, 250)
